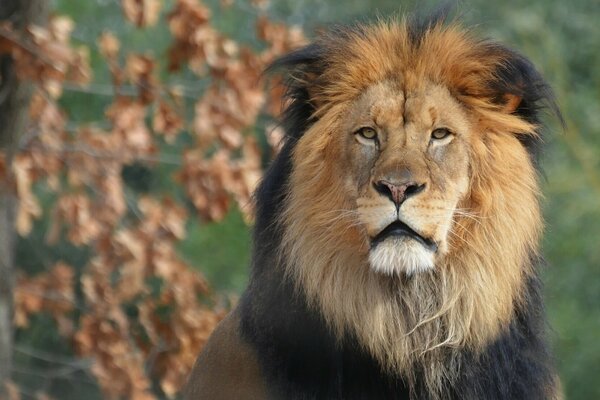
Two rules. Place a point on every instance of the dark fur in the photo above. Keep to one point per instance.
(300, 357)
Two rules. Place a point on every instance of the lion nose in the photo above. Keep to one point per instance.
(398, 192)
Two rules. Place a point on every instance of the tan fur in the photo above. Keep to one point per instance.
(227, 368)
(470, 294)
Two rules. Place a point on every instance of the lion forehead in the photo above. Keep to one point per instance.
(382, 103)
(389, 105)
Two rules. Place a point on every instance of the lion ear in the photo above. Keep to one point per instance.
(511, 103)
(301, 70)
(312, 88)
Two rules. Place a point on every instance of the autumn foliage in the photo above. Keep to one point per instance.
(142, 312)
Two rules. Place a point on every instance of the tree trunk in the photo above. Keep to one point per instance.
(14, 101)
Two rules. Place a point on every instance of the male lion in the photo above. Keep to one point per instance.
(396, 239)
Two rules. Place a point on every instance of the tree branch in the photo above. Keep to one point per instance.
(13, 114)
(169, 159)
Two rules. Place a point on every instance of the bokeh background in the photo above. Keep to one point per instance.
(134, 347)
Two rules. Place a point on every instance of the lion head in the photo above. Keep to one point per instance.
(411, 212)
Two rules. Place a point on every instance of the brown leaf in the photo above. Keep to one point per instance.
(45, 55)
(275, 135)
(196, 42)
(142, 12)
(61, 28)
(205, 182)
(139, 70)
(28, 206)
(260, 4)
(76, 212)
(281, 38)
(51, 291)
(129, 124)
(167, 121)
(12, 390)
(42, 396)
(109, 45)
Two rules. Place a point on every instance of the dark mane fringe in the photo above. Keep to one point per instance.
(420, 23)
(519, 77)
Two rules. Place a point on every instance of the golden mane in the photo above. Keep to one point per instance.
(415, 323)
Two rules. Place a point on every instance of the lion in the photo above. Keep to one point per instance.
(396, 246)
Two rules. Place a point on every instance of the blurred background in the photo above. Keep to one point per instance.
(132, 134)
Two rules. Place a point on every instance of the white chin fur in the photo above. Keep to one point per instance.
(400, 255)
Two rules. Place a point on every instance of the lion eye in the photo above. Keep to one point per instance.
(440, 133)
(367, 133)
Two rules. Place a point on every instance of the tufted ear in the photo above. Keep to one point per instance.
(310, 80)
(301, 70)
(511, 103)
(521, 89)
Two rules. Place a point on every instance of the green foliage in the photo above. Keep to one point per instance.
(222, 249)
(55, 369)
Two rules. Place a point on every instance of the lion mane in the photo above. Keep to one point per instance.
(315, 320)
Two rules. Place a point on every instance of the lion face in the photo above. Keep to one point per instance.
(409, 159)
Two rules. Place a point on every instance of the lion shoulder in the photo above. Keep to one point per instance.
(227, 368)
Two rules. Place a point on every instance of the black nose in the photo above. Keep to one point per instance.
(398, 192)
